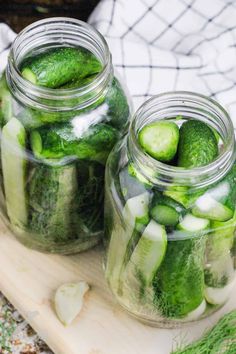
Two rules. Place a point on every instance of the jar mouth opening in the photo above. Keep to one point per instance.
(63, 32)
(189, 105)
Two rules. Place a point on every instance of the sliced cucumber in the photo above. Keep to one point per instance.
(165, 215)
(191, 223)
(13, 143)
(208, 207)
(135, 213)
(160, 140)
(149, 253)
(165, 210)
(136, 210)
(183, 195)
(218, 296)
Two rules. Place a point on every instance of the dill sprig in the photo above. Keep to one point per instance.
(221, 339)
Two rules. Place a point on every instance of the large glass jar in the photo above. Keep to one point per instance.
(55, 141)
(176, 264)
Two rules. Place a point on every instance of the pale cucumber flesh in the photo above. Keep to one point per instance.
(192, 223)
(13, 143)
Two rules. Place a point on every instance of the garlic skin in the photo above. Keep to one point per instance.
(69, 301)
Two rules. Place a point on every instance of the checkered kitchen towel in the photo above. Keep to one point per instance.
(163, 45)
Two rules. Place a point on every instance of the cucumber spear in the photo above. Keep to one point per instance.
(13, 143)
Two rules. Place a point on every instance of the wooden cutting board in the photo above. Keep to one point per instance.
(28, 279)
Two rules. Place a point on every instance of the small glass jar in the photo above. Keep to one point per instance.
(55, 142)
(161, 273)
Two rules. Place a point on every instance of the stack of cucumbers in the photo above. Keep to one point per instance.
(52, 161)
(171, 256)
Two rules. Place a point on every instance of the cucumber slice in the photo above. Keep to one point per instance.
(135, 213)
(165, 215)
(165, 210)
(162, 199)
(191, 223)
(149, 253)
(183, 195)
(208, 207)
(218, 296)
(136, 210)
(160, 140)
(13, 143)
(197, 313)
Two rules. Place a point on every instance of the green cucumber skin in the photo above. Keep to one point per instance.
(78, 82)
(118, 106)
(124, 231)
(114, 102)
(187, 197)
(159, 198)
(219, 272)
(144, 262)
(220, 240)
(220, 243)
(197, 145)
(176, 209)
(58, 66)
(89, 198)
(230, 200)
(165, 215)
(61, 141)
(219, 213)
(52, 202)
(179, 282)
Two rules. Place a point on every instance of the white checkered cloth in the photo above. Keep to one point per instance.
(164, 45)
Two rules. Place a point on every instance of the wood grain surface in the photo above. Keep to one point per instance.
(29, 279)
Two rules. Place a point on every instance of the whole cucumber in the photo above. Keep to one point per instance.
(63, 140)
(52, 202)
(198, 145)
(58, 66)
(179, 282)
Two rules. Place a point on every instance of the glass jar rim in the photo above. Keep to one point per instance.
(30, 93)
(191, 103)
